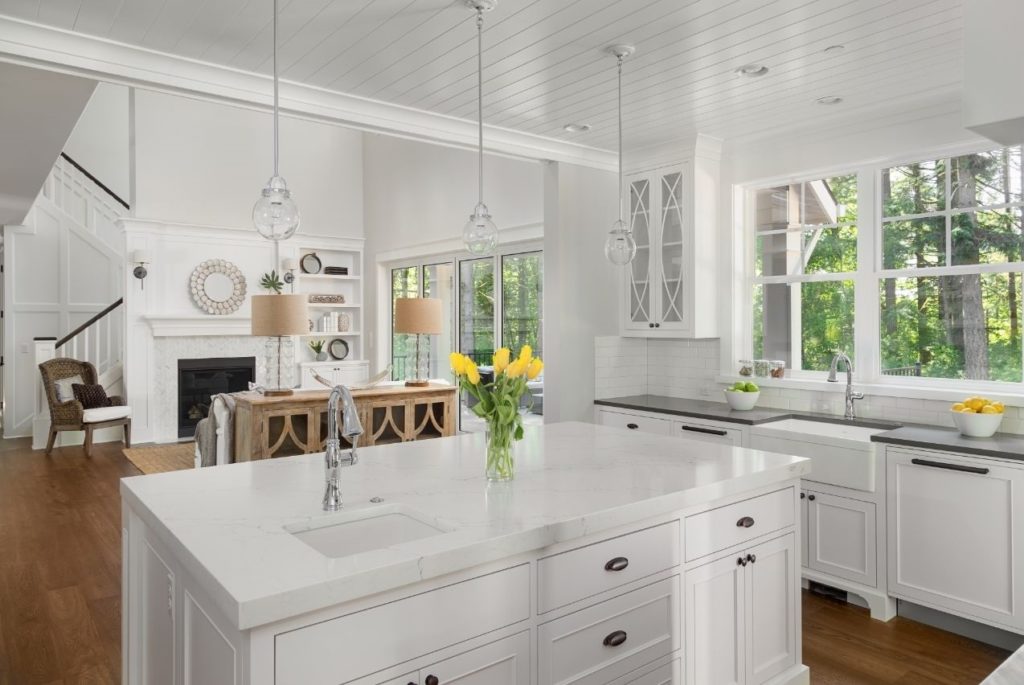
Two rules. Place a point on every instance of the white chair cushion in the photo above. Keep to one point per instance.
(99, 414)
(64, 390)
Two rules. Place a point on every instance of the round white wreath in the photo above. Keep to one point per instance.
(197, 283)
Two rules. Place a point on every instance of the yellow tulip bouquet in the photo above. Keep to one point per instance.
(498, 402)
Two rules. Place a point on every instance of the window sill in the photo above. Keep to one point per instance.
(953, 393)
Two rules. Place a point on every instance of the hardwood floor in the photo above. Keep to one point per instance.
(60, 602)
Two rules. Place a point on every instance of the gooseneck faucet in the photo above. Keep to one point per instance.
(351, 428)
(850, 394)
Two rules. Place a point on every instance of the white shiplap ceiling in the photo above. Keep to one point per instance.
(543, 59)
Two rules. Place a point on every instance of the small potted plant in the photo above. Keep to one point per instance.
(271, 282)
(318, 349)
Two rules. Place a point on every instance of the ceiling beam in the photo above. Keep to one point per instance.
(30, 44)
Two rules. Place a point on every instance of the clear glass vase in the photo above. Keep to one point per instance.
(501, 464)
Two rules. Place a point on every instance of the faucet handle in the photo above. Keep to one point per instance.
(856, 395)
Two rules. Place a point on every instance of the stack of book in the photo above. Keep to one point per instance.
(336, 270)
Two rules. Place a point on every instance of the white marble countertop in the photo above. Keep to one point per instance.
(227, 524)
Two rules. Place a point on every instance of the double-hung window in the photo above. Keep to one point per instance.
(924, 282)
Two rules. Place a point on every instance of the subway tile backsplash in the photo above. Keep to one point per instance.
(688, 368)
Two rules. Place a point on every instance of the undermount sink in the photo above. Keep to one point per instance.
(841, 453)
(365, 530)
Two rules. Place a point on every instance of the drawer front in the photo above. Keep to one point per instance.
(637, 422)
(571, 576)
(707, 432)
(367, 641)
(665, 674)
(609, 640)
(711, 531)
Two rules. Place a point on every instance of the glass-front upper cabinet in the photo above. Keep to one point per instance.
(670, 288)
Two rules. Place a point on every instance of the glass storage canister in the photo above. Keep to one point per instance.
(746, 367)
(777, 368)
(761, 368)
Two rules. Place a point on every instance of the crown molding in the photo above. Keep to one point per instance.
(44, 47)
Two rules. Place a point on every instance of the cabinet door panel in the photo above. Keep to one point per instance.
(505, 662)
(640, 285)
(670, 257)
(771, 600)
(841, 534)
(708, 432)
(955, 537)
(715, 633)
(158, 633)
(638, 422)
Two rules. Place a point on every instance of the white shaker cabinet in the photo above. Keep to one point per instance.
(955, 535)
(669, 289)
(505, 662)
(742, 625)
(841, 537)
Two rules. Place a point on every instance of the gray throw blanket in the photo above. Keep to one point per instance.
(206, 431)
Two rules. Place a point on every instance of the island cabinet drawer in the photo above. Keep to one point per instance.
(598, 644)
(357, 644)
(642, 423)
(711, 531)
(574, 575)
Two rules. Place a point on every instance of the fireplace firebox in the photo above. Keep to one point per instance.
(201, 379)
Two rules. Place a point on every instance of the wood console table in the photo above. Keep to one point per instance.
(297, 424)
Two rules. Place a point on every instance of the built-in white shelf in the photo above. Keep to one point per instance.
(327, 277)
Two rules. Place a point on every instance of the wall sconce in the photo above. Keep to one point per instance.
(289, 266)
(141, 258)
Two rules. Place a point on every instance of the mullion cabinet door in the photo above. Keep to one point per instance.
(640, 281)
(672, 279)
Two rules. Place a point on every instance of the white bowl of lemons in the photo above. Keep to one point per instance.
(742, 396)
(977, 417)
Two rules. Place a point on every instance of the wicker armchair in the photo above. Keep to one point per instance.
(70, 415)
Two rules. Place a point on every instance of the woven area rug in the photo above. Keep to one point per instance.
(162, 458)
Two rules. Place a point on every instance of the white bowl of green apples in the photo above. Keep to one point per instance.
(742, 396)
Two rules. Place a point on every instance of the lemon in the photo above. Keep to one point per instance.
(967, 410)
(976, 404)
(999, 407)
(959, 406)
(989, 409)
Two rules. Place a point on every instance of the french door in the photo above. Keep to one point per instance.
(490, 301)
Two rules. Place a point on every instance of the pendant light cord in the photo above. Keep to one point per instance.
(275, 89)
(480, 99)
(622, 205)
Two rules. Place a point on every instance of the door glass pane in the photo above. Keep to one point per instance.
(404, 283)
(640, 269)
(476, 325)
(438, 283)
(522, 314)
(672, 248)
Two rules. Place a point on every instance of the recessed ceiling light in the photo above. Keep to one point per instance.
(752, 70)
(834, 49)
(829, 100)
(577, 128)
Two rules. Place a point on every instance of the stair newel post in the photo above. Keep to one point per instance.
(46, 349)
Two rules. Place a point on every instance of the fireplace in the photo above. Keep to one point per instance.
(201, 379)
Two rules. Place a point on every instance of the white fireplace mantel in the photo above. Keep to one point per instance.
(190, 325)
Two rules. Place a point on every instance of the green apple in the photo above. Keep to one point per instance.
(739, 386)
(750, 387)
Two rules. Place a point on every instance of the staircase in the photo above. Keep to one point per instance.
(82, 213)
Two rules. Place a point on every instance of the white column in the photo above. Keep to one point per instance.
(45, 350)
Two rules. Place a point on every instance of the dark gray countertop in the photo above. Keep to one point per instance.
(1000, 445)
(695, 409)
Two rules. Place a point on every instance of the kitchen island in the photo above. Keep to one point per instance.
(614, 557)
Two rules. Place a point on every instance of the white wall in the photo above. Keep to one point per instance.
(581, 288)
(204, 163)
(100, 139)
(418, 196)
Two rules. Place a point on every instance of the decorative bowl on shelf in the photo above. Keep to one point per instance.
(739, 400)
(977, 425)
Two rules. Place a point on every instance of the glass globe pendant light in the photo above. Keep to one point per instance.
(480, 234)
(619, 246)
(275, 214)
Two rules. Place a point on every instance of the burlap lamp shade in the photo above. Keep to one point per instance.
(418, 316)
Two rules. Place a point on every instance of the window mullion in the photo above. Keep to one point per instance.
(865, 288)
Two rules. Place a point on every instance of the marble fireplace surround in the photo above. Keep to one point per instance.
(166, 353)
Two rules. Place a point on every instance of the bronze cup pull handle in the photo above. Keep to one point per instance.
(615, 639)
(616, 564)
(745, 522)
